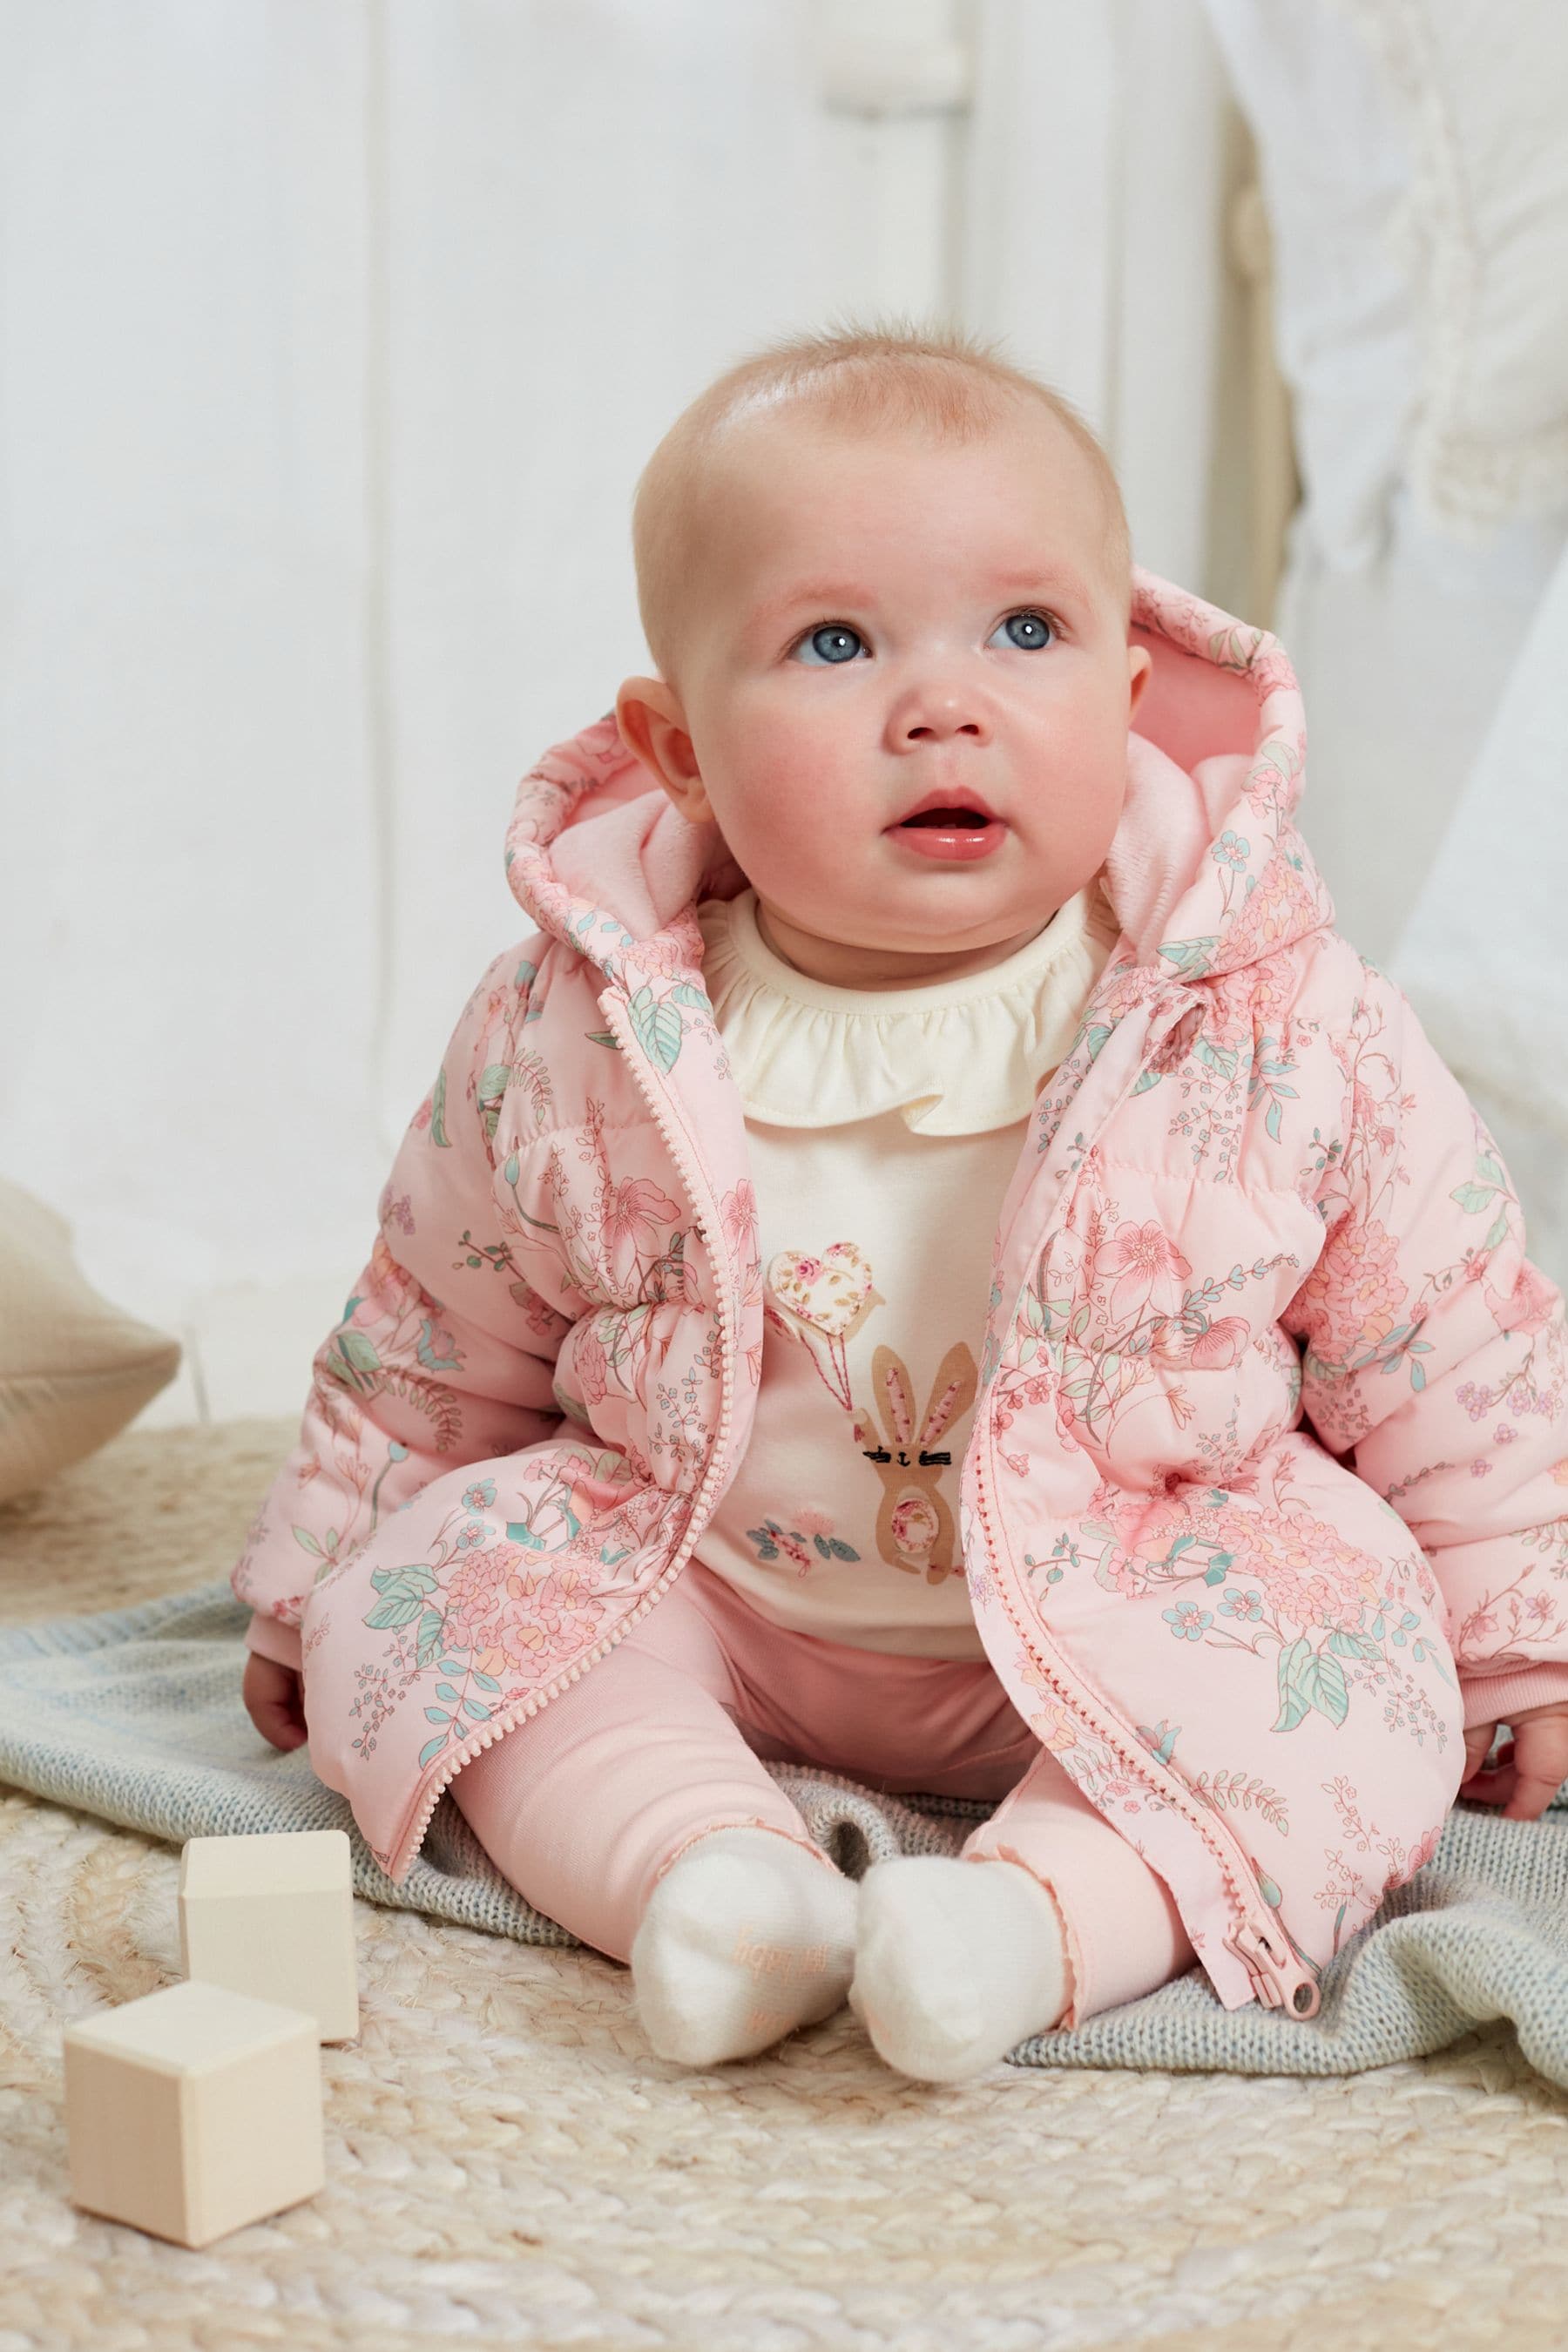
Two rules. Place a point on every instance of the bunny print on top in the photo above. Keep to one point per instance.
(884, 1127)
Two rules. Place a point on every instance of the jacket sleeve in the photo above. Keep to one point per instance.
(1435, 1353)
(445, 1353)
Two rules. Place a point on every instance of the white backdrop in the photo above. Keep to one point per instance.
(335, 333)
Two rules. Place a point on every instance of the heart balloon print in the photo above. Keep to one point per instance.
(820, 1297)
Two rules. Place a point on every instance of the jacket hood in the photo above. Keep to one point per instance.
(1206, 872)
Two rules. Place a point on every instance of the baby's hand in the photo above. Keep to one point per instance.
(1531, 1769)
(274, 1701)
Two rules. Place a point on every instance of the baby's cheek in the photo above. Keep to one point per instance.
(782, 806)
(1083, 781)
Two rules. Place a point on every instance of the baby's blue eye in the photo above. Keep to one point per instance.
(1034, 629)
(835, 643)
(830, 642)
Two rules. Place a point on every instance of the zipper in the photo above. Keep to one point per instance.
(1257, 1939)
(1280, 1979)
(708, 1227)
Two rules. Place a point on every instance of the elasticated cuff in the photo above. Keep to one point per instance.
(1124, 1933)
(269, 1639)
(1489, 1698)
(739, 1822)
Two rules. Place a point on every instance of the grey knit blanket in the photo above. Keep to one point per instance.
(134, 1716)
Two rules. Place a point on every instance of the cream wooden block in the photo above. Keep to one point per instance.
(273, 1915)
(193, 2112)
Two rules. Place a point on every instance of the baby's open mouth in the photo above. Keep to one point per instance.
(948, 818)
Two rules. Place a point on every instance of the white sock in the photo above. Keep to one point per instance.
(743, 1938)
(957, 1962)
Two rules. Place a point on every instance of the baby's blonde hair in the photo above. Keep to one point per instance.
(860, 377)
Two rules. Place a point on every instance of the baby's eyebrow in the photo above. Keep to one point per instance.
(1048, 578)
(810, 591)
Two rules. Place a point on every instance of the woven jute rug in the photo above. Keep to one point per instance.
(507, 2165)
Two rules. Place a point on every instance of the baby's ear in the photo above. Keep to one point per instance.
(1139, 669)
(640, 703)
(653, 726)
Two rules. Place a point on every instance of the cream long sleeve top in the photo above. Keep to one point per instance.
(885, 1125)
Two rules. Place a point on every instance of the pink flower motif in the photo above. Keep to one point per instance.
(1309, 1573)
(739, 1210)
(1529, 1305)
(1225, 1342)
(593, 1367)
(1272, 670)
(1056, 1729)
(1168, 1342)
(815, 1523)
(1420, 1854)
(392, 1288)
(1138, 1256)
(914, 1524)
(476, 1593)
(1353, 1298)
(1228, 1015)
(637, 1209)
(671, 950)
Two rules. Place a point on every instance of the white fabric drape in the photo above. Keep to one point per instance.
(334, 333)
(1485, 952)
(1403, 633)
(1429, 650)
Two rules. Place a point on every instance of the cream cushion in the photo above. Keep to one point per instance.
(73, 1369)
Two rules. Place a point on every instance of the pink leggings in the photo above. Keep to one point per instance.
(585, 1805)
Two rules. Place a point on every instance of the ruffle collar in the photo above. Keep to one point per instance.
(956, 1057)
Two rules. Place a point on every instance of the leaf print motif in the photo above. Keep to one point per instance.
(1309, 1678)
(1244, 1792)
(657, 1022)
(772, 1540)
(403, 1592)
(494, 1080)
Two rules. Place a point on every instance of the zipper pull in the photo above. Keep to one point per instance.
(1278, 1978)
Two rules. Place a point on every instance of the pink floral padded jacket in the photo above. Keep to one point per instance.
(1266, 1487)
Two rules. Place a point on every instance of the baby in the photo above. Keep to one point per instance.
(933, 1261)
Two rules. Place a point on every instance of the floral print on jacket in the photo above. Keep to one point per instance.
(1266, 1489)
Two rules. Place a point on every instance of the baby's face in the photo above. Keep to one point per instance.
(883, 619)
